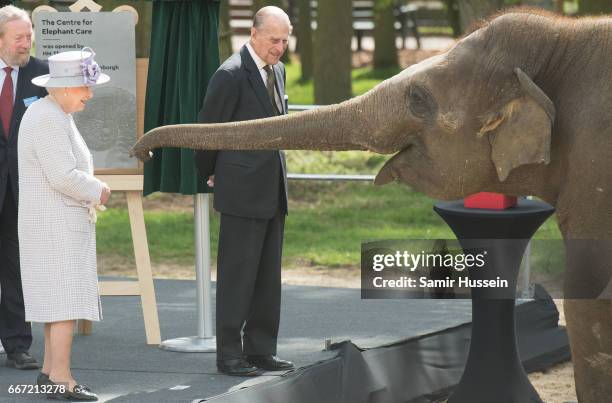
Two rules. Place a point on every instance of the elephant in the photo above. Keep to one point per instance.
(521, 106)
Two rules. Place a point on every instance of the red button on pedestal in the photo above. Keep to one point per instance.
(488, 200)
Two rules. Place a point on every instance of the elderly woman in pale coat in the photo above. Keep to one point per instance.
(58, 195)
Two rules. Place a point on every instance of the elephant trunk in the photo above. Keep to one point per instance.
(361, 123)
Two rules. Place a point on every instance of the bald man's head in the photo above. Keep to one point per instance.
(270, 33)
(270, 12)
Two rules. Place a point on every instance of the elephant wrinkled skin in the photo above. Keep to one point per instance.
(521, 106)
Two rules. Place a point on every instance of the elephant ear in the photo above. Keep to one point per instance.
(521, 132)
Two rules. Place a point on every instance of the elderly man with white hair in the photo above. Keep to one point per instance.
(17, 68)
(251, 194)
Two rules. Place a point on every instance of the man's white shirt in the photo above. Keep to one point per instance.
(264, 75)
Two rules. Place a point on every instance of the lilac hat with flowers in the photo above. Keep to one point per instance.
(72, 69)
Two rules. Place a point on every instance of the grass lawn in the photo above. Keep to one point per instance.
(326, 225)
(327, 221)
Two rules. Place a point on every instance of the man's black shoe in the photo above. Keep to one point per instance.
(236, 367)
(21, 361)
(269, 362)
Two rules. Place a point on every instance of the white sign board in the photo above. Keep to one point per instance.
(108, 123)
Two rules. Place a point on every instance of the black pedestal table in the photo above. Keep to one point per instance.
(493, 372)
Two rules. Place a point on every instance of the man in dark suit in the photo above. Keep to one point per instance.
(17, 68)
(250, 190)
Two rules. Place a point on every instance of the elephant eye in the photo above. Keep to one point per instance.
(421, 102)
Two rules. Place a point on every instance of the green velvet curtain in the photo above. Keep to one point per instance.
(184, 55)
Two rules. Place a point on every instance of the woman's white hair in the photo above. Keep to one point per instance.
(11, 13)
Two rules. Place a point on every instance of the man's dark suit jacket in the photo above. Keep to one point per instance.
(16, 334)
(247, 183)
(8, 148)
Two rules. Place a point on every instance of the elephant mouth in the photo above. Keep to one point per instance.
(390, 172)
(409, 165)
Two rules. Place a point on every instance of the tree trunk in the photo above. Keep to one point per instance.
(332, 50)
(452, 12)
(225, 32)
(471, 11)
(594, 7)
(257, 4)
(304, 39)
(143, 29)
(385, 52)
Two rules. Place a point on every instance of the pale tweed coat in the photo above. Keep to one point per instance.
(57, 240)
